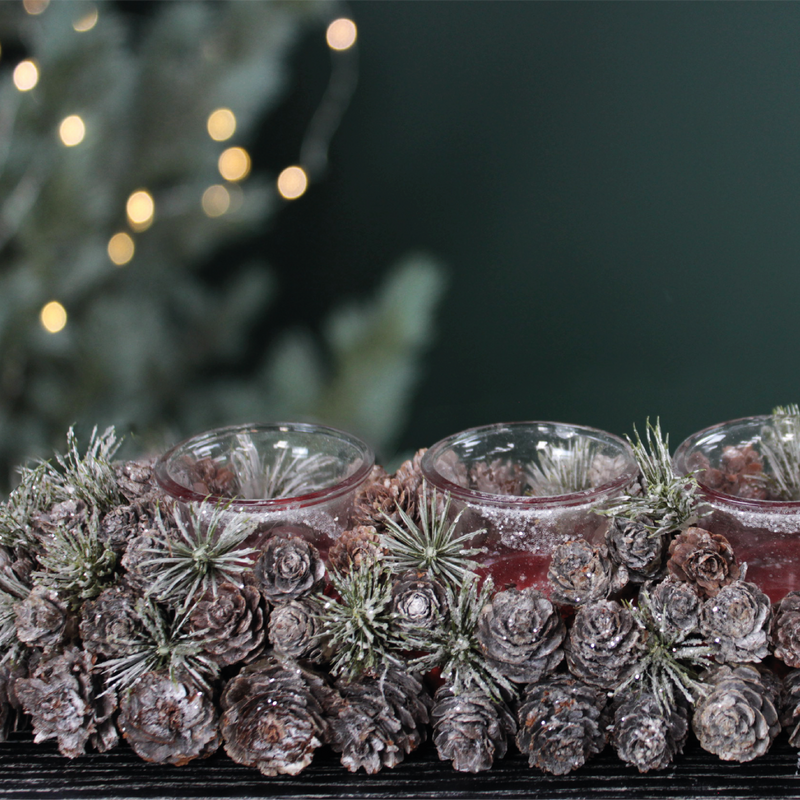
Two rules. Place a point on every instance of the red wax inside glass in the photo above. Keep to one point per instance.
(518, 569)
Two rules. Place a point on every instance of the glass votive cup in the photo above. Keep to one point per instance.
(734, 479)
(296, 477)
(492, 472)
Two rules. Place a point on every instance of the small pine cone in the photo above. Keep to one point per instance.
(61, 698)
(676, 605)
(418, 602)
(122, 524)
(135, 479)
(738, 720)
(168, 721)
(230, 623)
(581, 573)
(44, 620)
(786, 629)
(109, 623)
(790, 707)
(704, 559)
(273, 716)
(383, 494)
(497, 477)
(139, 572)
(355, 547)
(289, 568)
(647, 736)
(521, 634)
(736, 623)
(295, 630)
(634, 546)
(562, 724)
(379, 720)
(605, 644)
(210, 478)
(470, 729)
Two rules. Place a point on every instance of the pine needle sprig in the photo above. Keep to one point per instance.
(432, 546)
(454, 647)
(76, 563)
(200, 554)
(780, 445)
(565, 473)
(360, 623)
(160, 644)
(10, 646)
(34, 495)
(666, 498)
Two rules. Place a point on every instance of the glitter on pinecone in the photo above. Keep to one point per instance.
(109, 623)
(289, 567)
(790, 707)
(379, 719)
(646, 735)
(295, 629)
(737, 720)
(605, 644)
(272, 717)
(361, 545)
(64, 705)
(736, 623)
(676, 604)
(135, 479)
(704, 559)
(470, 729)
(521, 634)
(418, 602)
(168, 720)
(786, 629)
(633, 545)
(581, 573)
(44, 620)
(122, 524)
(563, 722)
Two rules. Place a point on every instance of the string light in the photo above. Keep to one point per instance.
(87, 22)
(35, 7)
(72, 130)
(292, 183)
(221, 124)
(53, 317)
(140, 208)
(26, 75)
(216, 200)
(234, 164)
(341, 34)
(121, 248)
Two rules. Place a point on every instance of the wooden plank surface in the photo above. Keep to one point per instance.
(38, 771)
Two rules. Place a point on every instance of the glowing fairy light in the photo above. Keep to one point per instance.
(221, 124)
(292, 183)
(35, 7)
(86, 22)
(121, 248)
(26, 75)
(216, 200)
(53, 317)
(234, 164)
(72, 130)
(341, 34)
(140, 208)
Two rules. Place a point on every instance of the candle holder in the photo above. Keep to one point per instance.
(298, 477)
(529, 486)
(738, 488)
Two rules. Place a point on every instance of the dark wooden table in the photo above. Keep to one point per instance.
(38, 771)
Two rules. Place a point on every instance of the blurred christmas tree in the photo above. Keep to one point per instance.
(118, 182)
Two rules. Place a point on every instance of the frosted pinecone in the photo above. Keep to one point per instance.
(64, 704)
(676, 604)
(230, 623)
(497, 477)
(140, 572)
(109, 623)
(737, 720)
(631, 544)
(521, 635)
(135, 479)
(786, 629)
(383, 494)
(605, 644)
(289, 568)
(122, 524)
(736, 623)
(168, 721)
(273, 716)
(418, 603)
(470, 729)
(647, 735)
(295, 629)
(790, 707)
(581, 573)
(379, 719)
(703, 559)
(563, 722)
(360, 545)
(45, 621)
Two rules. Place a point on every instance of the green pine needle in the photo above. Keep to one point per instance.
(34, 495)
(568, 472)
(780, 445)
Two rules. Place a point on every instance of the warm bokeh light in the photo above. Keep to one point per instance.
(234, 164)
(237, 197)
(53, 317)
(216, 200)
(341, 34)
(221, 124)
(35, 7)
(86, 22)
(120, 248)
(292, 183)
(72, 130)
(26, 75)
(140, 208)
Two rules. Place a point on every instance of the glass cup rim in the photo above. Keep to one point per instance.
(348, 484)
(439, 482)
(744, 503)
